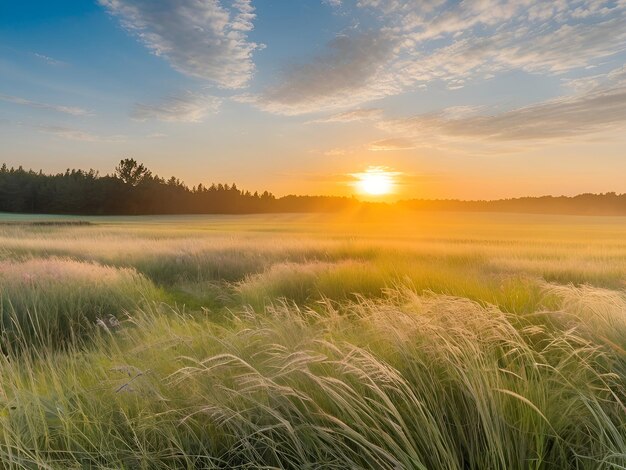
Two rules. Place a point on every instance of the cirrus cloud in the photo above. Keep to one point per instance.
(453, 42)
(72, 110)
(352, 69)
(200, 38)
(603, 109)
(354, 115)
(386, 145)
(184, 107)
(79, 135)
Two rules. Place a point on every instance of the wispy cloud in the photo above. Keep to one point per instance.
(392, 144)
(453, 42)
(185, 107)
(354, 115)
(49, 60)
(333, 3)
(199, 38)
(337, 152)
(69, 133)
(388, 176)
(603, 109)
(492, 36)
(72, 110)
(401, 180)
(352, 70)
(595, 82)
(550, 51)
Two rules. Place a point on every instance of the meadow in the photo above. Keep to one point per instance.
(379, 341)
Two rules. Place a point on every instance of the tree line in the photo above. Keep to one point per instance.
(132, 189)
(609, 203)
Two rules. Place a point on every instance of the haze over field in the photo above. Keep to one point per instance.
(479, 100)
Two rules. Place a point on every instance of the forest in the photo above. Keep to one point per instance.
(132, 189)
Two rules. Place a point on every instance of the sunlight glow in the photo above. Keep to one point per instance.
(375, 181)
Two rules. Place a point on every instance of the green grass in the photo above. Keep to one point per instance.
(304, 342)
(53, 301)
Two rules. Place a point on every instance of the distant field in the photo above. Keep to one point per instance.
(313, 341)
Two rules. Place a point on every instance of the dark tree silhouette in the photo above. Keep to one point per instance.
(130, 172)
(133, 189)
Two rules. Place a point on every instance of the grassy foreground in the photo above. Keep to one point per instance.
(412, 341)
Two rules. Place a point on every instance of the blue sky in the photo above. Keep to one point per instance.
(481, 99)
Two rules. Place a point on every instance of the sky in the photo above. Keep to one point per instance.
(475, 99)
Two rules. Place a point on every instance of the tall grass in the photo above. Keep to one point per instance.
(50, 301)
(313, 281)
(405, 381)
(288, 343)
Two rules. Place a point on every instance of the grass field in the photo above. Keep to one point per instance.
(426, 341)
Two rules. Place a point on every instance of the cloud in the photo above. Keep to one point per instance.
(200, 38)
(567, 47)
(364, 114)
(185, 107)
(351, 70)
(49, 60)
(590, 83)
(414, 43)
(74, 111)
(401, 180)
(386, 145)
(336, 152)
(601, 110)
(541, 51)
(69, 133)
(491, 36)
(386, 175)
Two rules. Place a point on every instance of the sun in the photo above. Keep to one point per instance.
(375, 184)
(375, 181)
